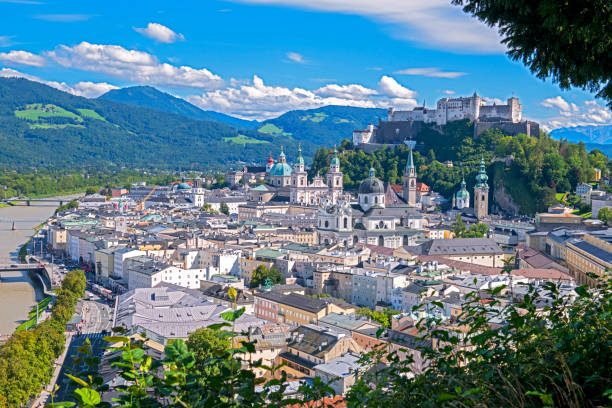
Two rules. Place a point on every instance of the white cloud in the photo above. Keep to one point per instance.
(345, 91)
(132, 65)
(449, 92)
(86, 89)
(22, 58)
(557, 102)
(432, 23)
(255, 100)
(295, 57)
(160, 33)
(430, 72)
(92, 89)
(391, 87)
(570, 115)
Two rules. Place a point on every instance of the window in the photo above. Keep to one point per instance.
(326, 223)
(365, 199)
(375, 200)
(345, 222)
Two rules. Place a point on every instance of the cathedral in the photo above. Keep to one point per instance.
(305, 193)
(372, 220)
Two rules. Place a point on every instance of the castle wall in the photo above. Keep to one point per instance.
(527, 127)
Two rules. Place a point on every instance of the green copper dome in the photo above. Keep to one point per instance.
(184, 186)
(300, 159)
(462, 193)
(281, 169)
(335, 161)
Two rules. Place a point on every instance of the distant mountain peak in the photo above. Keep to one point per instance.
(146, 96)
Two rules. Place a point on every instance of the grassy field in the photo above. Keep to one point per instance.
(91, 114)
(53, 126)
(272, 129)
(316, 117)
(36, 111)
(242, 139)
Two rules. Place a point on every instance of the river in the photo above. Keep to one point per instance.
(18, 293)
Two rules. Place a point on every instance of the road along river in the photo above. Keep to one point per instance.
(18, 292)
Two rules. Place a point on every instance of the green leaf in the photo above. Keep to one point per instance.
(442, 397)
(77, 380)
(582, 291)
(232, 315)
(87, 396)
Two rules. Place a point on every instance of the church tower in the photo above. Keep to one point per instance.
(334, 178)
(409, 186)
(299, 180)
(481, 193)
(270, 163)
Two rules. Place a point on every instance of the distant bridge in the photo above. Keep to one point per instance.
(36, 266)
(39, 202)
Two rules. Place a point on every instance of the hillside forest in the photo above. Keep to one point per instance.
(531, 169)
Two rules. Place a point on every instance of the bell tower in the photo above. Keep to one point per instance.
(481, 192)
(409, 185)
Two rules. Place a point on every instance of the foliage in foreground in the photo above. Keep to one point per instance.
(26, 360)
(570, 41)
(558, 355)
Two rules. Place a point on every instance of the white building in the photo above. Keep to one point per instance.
(303, 192)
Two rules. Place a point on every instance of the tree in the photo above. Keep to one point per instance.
(478, 230)
(206, 343)
(605, 215)
(91, 190)
(224, 208)
(208, 208)
(459, 226)
(569, 41)
(261, 273)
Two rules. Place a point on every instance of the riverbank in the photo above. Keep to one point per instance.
(19, 292)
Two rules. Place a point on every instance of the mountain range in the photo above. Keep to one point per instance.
(149, 97)
(594, 136)
(41, 126)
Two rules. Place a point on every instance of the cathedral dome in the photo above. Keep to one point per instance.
(184, 186)
(281, 169)
(371, 185)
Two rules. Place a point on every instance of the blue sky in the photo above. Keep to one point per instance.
(260, 58)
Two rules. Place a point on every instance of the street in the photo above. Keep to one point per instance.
(97, 315)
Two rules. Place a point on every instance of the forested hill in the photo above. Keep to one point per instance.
(43, 127)
(530, 170)
(324, 126)
(149, 97)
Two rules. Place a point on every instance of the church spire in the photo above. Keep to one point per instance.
(410, 162)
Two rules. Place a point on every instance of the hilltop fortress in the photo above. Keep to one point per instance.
(404, 124)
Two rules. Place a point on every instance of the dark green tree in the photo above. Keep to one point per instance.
(224, 208)
(568, 41)
(261, 273)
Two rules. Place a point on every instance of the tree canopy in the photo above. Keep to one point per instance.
(570, 41)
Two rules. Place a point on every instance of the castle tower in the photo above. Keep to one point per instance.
(409, 185)
(481, 192)
(334, 177)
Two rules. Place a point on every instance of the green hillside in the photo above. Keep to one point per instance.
(539, 167)
(43, 127)
(325, 126)
(149, 97)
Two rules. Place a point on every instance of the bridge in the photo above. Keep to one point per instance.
(35, 265)
(39, 202)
